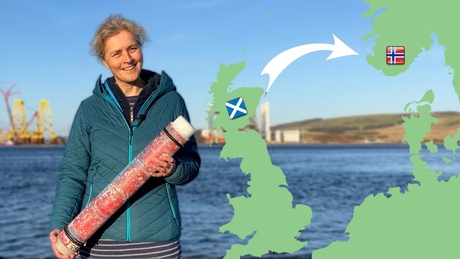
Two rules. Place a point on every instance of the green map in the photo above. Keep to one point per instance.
(267, 212)
(422, 221)
(417, 222)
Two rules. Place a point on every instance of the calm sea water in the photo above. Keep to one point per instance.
(330, 179)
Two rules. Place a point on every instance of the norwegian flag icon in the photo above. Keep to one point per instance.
(395, 55)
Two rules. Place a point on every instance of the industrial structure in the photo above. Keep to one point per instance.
(209, 134)
(265, 121)
(19, 123)
(212, 135)
(278, 136)
(287, 136)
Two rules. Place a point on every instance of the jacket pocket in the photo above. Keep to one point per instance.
(169, 191)
(89, 187)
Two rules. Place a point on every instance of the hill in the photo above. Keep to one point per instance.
(378, 128)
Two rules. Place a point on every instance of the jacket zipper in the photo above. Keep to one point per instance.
(90, 190)
(168, 187)
(128, 202)
(111, 98)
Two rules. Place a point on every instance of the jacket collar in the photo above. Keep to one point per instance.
(155, 88)
(160, 84)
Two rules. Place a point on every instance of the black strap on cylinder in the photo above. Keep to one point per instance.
(73, 239)
(172, 138)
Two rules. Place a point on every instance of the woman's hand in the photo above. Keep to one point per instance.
(163, 166)
(53, 239)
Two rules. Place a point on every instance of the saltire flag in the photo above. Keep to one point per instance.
(236, 108)
(395, 55)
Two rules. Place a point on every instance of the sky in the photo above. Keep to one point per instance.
(45, 50)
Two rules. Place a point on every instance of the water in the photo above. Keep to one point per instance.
(330, 179)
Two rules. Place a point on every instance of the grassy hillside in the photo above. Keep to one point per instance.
(379, 128)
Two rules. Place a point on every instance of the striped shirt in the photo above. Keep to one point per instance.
(131, 100)
(106, 248)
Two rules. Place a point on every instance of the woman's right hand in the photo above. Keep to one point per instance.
(53, 238)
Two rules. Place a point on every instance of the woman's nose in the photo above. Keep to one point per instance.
(127, 57)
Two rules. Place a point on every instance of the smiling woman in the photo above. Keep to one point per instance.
(118, 44)
(112, 127)
(124, 59)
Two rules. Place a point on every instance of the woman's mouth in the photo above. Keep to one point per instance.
(129, 68)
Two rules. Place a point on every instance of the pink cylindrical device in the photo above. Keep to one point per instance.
(128, 181)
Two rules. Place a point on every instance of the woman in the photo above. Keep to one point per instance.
(110, 128)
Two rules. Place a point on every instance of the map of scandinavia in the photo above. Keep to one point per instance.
(421, 222)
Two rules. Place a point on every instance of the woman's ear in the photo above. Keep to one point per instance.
(105, 64)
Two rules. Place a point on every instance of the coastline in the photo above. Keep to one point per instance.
(31, 145)
(315, 144)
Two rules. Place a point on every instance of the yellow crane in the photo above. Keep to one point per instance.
(20, 122)
(44, 124)
(19, 130)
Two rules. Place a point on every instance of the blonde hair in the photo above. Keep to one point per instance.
(113, 25)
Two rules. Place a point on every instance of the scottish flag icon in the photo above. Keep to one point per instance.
(236, 108)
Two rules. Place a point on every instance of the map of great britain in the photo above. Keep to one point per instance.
(268, 213)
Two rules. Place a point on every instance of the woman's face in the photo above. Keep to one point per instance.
(123, 56)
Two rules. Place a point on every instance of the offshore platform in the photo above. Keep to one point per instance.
(19, 133)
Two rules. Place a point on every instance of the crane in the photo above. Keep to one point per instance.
(20, 122)
(19, 131)
(44, 124)
(35, 138)
(13, 134)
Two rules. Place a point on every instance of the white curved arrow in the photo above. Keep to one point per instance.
(282, 60)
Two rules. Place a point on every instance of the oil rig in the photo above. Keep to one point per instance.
(19, 133)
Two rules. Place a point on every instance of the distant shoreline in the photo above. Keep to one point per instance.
(32, 145)
(319, 144)
(374, 129)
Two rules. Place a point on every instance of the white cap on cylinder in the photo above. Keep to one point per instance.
(183, 127)
(62, 248)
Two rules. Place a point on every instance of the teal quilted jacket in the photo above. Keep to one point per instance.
(100, 145)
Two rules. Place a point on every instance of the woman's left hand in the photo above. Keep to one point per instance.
(163, 166)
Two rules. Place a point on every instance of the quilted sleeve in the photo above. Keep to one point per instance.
(187, 158)
(73, 173)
